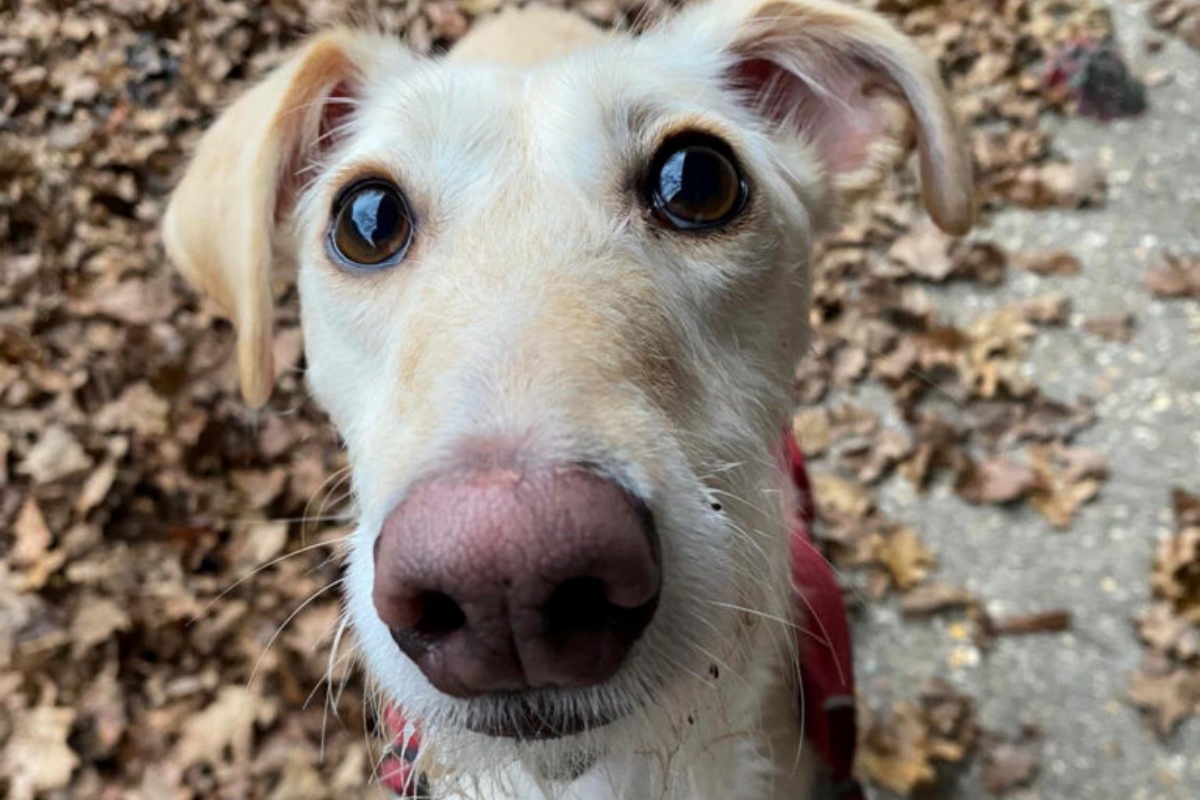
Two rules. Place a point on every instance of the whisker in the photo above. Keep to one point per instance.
(277, 560)
(312, 598)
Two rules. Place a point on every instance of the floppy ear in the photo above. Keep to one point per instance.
(223, 219)
(836, 75)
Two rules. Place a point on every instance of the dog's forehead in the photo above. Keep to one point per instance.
(452, 127)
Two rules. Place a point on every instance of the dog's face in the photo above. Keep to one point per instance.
(553, 311)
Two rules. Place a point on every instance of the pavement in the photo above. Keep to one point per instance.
(1072, 686)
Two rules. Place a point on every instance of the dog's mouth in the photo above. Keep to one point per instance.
(519, 717)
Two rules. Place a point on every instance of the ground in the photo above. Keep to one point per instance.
(1073, 685)
(995, 444)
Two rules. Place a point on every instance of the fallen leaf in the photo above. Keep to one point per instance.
(903, 750)
(33, 537)
(255, 545)
(900, 550)
(37, 757)
(812, 428)
(1179, 276)
(996, 479)
(56, 455)
(1186, 507)
(226, 725)
(1052, 308)
(1176, 573)
(1163, 629)
(1168, 696)
(1009, 764)
(1067, 478)
(924, 252)
(97, 619)
(1117, 328)
(839, 498)
(1053, 262)
(934, 598)
(96, 487)
(895, 753)
(139, 409)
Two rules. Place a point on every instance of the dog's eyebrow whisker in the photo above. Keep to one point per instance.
(277, 560)
(311, 598)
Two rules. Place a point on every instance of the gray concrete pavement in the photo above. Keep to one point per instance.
(1073, 685)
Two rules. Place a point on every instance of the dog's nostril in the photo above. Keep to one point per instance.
(439, 615)
(579, 604)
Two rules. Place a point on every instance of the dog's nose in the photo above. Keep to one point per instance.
(502, 579)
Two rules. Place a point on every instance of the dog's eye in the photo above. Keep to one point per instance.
(372, 226)
(695, 183)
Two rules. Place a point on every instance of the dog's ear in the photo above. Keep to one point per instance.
(224, 220)
(833, 74)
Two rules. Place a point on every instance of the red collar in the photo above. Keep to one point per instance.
(825, 700)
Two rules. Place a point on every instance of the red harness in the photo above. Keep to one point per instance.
(825, 701)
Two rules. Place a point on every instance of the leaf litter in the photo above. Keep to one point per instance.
(139, 498)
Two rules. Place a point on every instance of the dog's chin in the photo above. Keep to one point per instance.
(518, 719)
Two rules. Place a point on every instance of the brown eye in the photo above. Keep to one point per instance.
(372, 226)
(695, 183)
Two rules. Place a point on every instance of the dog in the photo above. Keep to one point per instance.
(553, 287)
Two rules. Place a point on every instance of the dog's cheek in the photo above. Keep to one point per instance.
(344, 342)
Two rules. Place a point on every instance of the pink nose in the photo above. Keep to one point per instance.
(500, 579)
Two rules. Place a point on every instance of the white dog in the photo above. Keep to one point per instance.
(553, 288)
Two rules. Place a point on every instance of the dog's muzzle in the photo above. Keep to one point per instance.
(502, 582)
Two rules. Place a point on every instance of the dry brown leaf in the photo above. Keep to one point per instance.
(838, 498)
(924, 252)
(1010, 764)
(225, 726)
(97, 619)
(812, 428)
(896, 754)
(1051, 308)
(873, 459)
(33, 537)
(37, 757)
(901, 552)
(256, 544)
(996, 479)
(56, 455)
(1118, 328)
(1053, 262)
(1067, 479)
(1186, 507)
(1179, 276)
(1167, 695)
(1176, 573)
(139, 409)
(934, 598)
(1162, 628)
(96, 487)
(901, 751)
